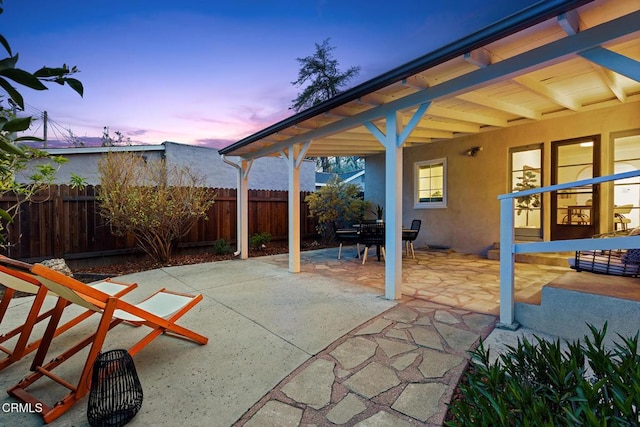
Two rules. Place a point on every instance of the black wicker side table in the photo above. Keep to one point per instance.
(115, 396)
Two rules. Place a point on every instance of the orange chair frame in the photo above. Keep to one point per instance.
(105, 305)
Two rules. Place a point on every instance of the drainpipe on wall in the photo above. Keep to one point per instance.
(238, 227)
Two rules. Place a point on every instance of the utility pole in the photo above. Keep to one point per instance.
(45, 116)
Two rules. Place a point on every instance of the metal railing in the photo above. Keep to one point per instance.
(508, 247)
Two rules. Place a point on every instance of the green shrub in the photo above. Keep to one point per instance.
(336, 203)
(259, 239)
(221, 247)
(542, 385)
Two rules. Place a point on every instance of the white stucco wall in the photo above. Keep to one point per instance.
(266, 173)
(83, 162)
(269, 173)
(471, 221)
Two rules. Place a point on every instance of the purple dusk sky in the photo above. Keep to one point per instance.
(208, 72)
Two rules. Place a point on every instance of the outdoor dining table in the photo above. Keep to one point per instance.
(407, 233)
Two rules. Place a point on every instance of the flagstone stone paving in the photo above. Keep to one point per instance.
(398, 369)
(466, 281)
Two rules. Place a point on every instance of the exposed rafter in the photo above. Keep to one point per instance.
(612, 80)
(570, 22)
(479, 57)
(547, 92)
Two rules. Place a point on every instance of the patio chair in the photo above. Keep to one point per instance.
(619, 218)
(348, 236)
(372, 234)
(159, 312)
(613, 262)
(409, 236)
(15, 276)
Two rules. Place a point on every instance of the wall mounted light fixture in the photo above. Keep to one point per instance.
(473, 151)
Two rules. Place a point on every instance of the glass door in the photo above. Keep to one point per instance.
(526, 173)
(626, 192)
(574, 212)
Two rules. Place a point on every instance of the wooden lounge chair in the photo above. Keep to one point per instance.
(159, 312)
(15, 276)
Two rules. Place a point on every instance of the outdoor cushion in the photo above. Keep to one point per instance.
(604, 262)
(632, 256)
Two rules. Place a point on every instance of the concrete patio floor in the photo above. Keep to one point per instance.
(311, 348)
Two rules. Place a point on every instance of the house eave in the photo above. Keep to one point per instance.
(512, 24)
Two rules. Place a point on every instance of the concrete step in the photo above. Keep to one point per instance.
(574, 300)
(558, 259)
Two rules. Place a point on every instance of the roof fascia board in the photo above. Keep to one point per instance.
(93, 150)
(527, 17)
(517, 65)
(354, 176)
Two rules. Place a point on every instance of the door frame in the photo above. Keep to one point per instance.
(575, 231)
(535, 234)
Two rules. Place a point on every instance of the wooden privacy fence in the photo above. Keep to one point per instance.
(65, 222)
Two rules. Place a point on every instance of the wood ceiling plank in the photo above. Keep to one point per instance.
(448, 113)
(507, 107)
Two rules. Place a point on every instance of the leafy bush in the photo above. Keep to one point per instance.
(257, 240)
(540, 384)
(337, 202)
(221, 247)
(156, 202)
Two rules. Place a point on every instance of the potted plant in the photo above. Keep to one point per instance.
(528, 203)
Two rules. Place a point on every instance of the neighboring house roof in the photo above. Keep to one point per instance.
(554, 58)
(206, 162)
(322, 178)
(99, 150)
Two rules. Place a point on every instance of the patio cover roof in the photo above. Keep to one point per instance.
(554, 58)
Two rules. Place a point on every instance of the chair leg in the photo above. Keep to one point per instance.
(384, 253)
(358, 249)
(340, 251)
(366, 252)
(413, 254)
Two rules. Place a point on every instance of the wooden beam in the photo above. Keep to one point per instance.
(612, 80)
(570, 22)
(479, 57)
(613, 61)
(552, 95)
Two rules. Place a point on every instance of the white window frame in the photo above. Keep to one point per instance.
(430, 205)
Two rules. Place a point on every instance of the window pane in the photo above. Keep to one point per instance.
(430, 185)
